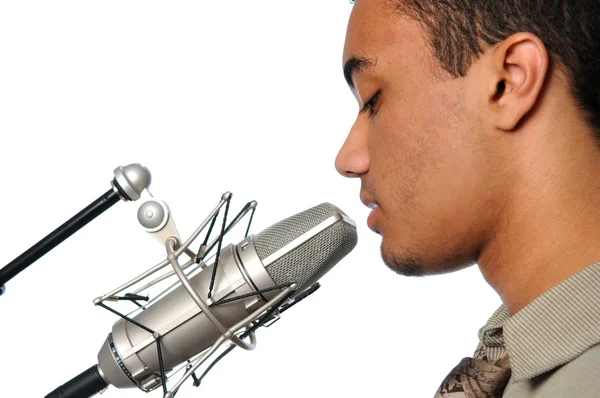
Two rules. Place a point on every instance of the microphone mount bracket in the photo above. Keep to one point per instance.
(128, 184)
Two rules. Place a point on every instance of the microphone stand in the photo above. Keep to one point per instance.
(128, 184)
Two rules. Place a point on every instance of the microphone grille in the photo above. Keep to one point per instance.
(313, 258)
(280, 234)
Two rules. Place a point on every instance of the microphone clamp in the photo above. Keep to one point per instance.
(130, 181)
(128, 184)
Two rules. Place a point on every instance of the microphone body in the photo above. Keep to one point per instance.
(128, 357)
(298, 250)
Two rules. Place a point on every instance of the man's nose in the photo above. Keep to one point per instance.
(353, 158)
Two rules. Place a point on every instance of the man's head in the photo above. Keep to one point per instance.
(464, 105)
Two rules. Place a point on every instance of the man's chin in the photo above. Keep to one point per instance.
(403, 265)
(411, 265)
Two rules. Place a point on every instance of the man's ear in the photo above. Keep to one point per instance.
(519, 67)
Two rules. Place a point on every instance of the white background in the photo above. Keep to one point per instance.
(246, 96)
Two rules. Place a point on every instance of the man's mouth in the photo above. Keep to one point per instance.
(370, 203)
(374, 206)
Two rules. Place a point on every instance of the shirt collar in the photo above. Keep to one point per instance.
(552, 330)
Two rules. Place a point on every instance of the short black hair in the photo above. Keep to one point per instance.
(460, 30)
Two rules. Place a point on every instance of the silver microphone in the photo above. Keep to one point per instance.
(264, 271)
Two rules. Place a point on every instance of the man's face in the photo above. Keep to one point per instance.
(417, 147)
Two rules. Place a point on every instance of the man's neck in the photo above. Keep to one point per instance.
(550, 228)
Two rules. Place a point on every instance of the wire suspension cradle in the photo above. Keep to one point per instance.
(265, 315)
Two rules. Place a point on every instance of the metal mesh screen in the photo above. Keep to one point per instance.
(278, 235)
(311, 260)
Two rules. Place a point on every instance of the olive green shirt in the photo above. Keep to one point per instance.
(552, 343)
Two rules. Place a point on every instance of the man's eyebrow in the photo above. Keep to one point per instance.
(355, 64)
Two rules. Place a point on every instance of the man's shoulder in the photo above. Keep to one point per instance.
(588, 358)
(583, 367)
(577, 378)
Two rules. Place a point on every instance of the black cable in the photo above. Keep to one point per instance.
(163, 377)
(255, 325)
(249, 222)
(198, 380)
(243, 296)
(132, 297)
(230, 226)
(158, 346)
(126, 318)
(238, 217)
(212, 224)
(202, 249)
(214, 273)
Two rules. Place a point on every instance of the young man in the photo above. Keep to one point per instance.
(478, 141)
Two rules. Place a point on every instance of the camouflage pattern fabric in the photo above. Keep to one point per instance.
(476, 378)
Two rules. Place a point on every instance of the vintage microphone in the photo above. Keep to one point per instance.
(248, 285)
(127, 185)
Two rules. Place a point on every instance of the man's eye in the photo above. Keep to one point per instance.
(370, 105)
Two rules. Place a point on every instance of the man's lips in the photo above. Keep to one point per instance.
(374, 206)
(370, 203)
